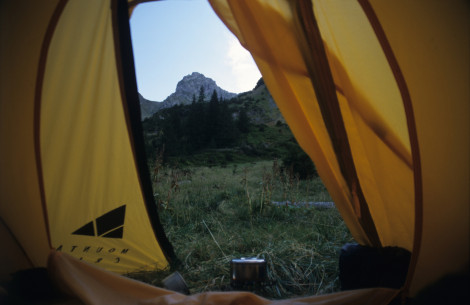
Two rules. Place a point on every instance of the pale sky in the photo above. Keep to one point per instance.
(174, 38)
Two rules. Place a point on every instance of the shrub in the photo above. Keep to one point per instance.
(298, 163)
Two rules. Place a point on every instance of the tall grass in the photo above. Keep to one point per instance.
(214, 215)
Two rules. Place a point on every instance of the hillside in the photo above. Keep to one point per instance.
(147, 107)
(214, 131)
(260, 106)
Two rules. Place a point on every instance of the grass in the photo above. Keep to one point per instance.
(213, 215)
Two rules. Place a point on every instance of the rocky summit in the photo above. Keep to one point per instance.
(191, 84)
(186, 88)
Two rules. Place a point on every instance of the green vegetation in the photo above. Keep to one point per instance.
(223, 172)
(181, 131)
(212, 215)
(246, 128)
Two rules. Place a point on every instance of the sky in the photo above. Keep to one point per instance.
(174, 38)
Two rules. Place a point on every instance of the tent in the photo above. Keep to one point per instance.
(69, 107)
(376, 92)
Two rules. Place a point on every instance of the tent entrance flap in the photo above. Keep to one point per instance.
(73, 176)
(96, 191)
(316, 61)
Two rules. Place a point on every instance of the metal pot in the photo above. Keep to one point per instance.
(248, 271)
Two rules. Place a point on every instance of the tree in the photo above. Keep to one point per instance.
(243, 121)
(172, 133)
(226, 132)
(195, 124)
(212, 118)
(202, 95)
(297, 162)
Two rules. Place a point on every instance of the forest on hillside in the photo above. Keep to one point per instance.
(188, 129)
(220, 132)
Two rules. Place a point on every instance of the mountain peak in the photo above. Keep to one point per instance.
(186, 88)
(190, 85)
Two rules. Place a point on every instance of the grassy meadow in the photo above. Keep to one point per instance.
(213, 215)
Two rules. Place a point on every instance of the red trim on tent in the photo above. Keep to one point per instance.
(325, 90)
(410, 119)
(37, 106)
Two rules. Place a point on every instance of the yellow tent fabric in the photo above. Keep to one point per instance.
(20, 195)
(376, 92)
(73, 178)
(400, 72)
(99, 163)
(436, 69)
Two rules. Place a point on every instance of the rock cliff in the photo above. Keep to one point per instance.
(186, 88)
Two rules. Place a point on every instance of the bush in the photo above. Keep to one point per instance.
(298, 163)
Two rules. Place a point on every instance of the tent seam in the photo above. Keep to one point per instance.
(37, 107)
(20, 246)
(413, 135)
(320, 74)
